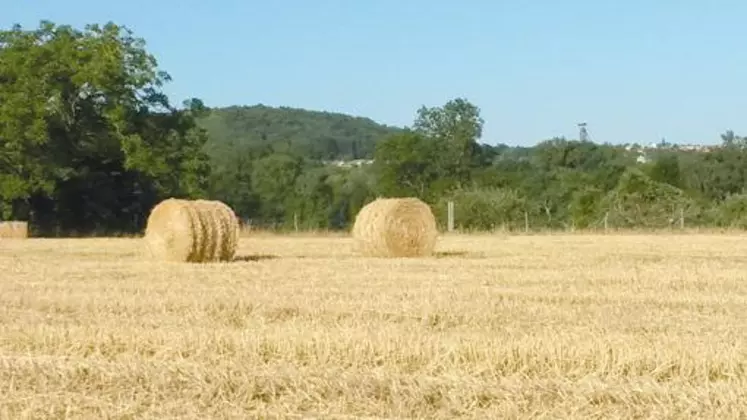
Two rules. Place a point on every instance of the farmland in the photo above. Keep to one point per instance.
(493, 326)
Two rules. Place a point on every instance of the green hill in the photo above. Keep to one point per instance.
(314, 134)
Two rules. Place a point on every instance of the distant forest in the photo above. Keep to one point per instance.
(313, 134)
(89, 143)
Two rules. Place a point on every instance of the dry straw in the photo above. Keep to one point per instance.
(395, 227)
(222, 230)
(14, 230)
(192, 231)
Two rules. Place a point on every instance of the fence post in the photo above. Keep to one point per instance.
(450, 216)
(295, 221)
(526, 222)
(606, 216)
(682, 218)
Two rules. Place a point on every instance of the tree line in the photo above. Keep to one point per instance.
(89, 143)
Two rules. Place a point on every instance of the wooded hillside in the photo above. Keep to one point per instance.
(313, 134)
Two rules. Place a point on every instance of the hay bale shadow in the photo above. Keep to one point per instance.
(458, 254)
(254, 258)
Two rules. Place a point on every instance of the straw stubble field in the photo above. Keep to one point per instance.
(636, 326)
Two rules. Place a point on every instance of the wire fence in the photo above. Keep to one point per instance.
(630, 218)
(451, 219)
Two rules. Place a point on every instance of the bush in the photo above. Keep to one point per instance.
(732, 212)
(483, 209)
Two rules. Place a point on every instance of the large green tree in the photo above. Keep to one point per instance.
(88, 140)
(438, 154)
(405, 165)
(454, 129)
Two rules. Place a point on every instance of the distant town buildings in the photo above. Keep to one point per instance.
(643, 151)
(348, 163)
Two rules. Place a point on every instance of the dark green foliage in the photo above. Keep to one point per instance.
(313, 134)
(483, 208)
(584, 207)
(88, 141)
(639, 201)
(273, 179)
(732, 212)
(405, 166)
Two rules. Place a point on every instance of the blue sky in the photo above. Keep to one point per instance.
(634, 70)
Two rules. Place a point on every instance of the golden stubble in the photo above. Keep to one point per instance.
(14, 230)
(579, 326)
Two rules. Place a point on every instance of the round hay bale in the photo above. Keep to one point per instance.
(206, 212)
(173, 231)
(223, 230)
(229, 229)
(192, 231)
(14, 230)
(395, 227)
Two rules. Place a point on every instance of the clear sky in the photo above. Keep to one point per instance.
(634, 70)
